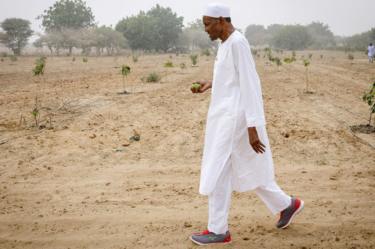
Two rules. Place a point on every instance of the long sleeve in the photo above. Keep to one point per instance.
(250, 89)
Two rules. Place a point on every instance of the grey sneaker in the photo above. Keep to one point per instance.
(287, 215)
(206, 237)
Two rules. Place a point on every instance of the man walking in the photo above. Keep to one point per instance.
(371, 52)
(237, 153)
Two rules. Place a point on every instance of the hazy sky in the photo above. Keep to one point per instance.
(344, 17)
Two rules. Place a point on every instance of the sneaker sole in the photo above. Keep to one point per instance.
(295, 213)
(201, 244)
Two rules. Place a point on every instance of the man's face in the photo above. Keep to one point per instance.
(213, 26)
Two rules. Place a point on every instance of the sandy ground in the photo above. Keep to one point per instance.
(81, 183)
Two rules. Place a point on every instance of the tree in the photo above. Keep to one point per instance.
(52, 40)
(194, 37)
(372, 34)
(102, 38)
(274, 29)
(67, 14)
(358, 41)
(17, 33)
(257, 35)
(158, 29)
(322, 36)
(57, 40)
(137, 30)
(292, 37)
(109, 39)
(167, 27)
(316, 35)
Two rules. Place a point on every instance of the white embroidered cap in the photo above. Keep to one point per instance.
(217, 10)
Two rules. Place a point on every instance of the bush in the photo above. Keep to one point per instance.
(306, 62)
(182, 65)
(153, 77)
(13, 58)
(194, 59)
(40, 65)
(168, 64)
(350, 57)
(289, 60)
(85, 60)
(369, 98)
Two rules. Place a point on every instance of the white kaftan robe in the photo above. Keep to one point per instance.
(236, 104)
(371, 51)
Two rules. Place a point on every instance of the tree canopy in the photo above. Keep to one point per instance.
(103, 39)
(158, 29)
(292, 37)
(17, 33)
(193, 37)
(315, 35)
(67, 14)
(322, 36)
(257, 35)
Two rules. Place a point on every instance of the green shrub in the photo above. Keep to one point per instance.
(289, 60)
(168, 64)
(153, 77)
(369, 98)
(40, 65)
(306, 63)
(194, 59)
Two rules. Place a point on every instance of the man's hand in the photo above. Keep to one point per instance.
(255, 143)
(205, 85)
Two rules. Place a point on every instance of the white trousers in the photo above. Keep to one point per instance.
(219, 200)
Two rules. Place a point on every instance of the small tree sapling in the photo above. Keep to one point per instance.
(306, 63)
(125, 71)
(369, 98)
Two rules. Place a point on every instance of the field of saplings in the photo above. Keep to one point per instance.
(105, 152)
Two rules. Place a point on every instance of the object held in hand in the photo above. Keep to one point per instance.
(196, 86)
